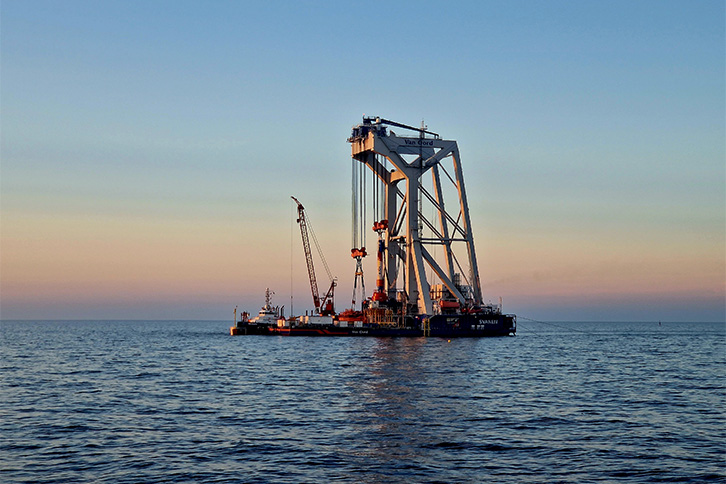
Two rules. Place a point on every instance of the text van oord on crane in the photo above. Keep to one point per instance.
(419, 142)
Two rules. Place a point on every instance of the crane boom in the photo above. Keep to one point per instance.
(308, 253)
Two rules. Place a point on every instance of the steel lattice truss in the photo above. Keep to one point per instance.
(409, 159)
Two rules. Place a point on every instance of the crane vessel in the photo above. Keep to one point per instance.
(427, 276)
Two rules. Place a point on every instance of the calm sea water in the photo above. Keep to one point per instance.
(147, 402)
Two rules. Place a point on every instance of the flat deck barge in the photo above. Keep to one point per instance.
(484, 323)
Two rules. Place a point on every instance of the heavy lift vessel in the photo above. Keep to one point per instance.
(409, 244)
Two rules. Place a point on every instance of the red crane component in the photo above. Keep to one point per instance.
(324, 307)
(380, 293)
(380, 226)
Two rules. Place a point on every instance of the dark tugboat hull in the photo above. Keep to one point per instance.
(242, 329)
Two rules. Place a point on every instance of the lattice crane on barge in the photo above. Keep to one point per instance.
(405, 301)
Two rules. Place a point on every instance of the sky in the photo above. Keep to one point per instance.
(149, 149)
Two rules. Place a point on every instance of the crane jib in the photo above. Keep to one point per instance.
(325, 305)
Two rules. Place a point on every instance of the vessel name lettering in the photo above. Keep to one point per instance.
(419, 142)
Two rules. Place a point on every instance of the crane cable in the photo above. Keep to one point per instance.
(362, 206)
(317, 246)
(354, 204)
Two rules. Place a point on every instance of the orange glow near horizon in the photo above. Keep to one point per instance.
(87, 260)
(620, 265)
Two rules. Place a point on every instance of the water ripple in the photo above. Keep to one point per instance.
(132, 402)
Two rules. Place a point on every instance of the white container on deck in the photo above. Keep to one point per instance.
(318, 320)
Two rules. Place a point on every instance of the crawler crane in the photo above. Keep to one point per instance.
(324, 307)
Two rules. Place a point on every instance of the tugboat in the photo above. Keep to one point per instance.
(262, 324)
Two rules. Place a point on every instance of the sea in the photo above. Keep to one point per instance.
(185, 402)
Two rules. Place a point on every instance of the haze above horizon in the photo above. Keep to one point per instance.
(149, 150)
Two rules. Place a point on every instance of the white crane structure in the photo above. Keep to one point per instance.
(399, 164)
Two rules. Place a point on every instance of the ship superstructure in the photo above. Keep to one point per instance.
(266, 318)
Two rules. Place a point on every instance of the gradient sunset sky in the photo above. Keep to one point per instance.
(150, 149)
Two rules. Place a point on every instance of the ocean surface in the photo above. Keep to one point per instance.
(184, 402)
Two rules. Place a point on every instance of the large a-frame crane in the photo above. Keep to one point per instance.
(325, 306)
(399, 164)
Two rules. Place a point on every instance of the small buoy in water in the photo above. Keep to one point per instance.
(449, 341)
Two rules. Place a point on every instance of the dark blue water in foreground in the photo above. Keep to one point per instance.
(146, 402)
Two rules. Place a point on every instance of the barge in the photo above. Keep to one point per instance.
(379, 322)
(427, 278)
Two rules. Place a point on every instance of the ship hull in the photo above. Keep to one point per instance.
(333, 330)
(443, 326)
(472, 325)
(243, 329)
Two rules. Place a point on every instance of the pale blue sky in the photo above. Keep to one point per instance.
(585, 127)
